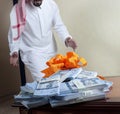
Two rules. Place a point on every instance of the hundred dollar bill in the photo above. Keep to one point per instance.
(71, 74)
(49, 88)
(90, 83)
(85, 96)
(33, 103)
(76, 85)
(25, 96)
(87, 74)
(29, 87)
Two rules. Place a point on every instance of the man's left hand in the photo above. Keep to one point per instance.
(69, 42)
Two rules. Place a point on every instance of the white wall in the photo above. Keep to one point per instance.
(9, 76)
(95, 25)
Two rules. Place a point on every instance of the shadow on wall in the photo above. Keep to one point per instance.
(9, 76)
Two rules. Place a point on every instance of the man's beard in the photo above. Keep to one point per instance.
(37, 3)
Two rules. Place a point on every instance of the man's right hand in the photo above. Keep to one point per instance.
(14, 59)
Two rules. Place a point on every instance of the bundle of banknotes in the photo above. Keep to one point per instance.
(63, 88)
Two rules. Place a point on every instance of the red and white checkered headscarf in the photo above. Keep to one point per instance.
(18, 19)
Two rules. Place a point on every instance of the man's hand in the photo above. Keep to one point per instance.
(14, 59)
(69, 42)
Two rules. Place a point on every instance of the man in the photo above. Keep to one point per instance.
(31, 33)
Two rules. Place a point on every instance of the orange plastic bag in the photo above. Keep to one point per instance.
(60, 62)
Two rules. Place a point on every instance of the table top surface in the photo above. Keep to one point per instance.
(114, 94)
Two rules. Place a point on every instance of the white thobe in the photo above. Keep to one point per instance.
(37, 43)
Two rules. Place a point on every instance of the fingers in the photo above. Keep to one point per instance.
(71, 43)
(14, 61)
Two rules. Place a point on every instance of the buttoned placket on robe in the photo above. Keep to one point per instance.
(41, 21)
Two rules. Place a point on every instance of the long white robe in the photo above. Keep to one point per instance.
(37, 43)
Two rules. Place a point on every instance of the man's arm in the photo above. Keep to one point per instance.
(14, 47)
(62, 31)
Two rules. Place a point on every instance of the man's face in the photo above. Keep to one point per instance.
(37, 2)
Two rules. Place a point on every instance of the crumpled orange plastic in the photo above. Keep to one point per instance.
(101, 77)
(61, 62)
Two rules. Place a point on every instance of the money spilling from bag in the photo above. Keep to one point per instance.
(64, 87)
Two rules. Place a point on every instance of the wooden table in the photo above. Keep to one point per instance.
(110, 105)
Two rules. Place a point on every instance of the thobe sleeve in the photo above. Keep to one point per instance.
(59, 26)
(13, 45)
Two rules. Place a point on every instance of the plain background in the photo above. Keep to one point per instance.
(94, 24)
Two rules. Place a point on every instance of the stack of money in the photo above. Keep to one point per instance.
(63, 88)
(87, 95)
(51, 86)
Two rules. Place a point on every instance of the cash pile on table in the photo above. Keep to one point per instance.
(63, 88)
